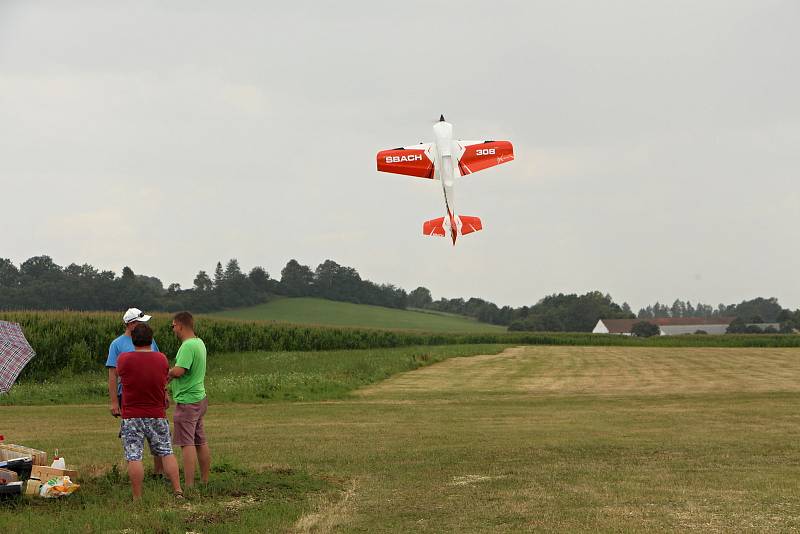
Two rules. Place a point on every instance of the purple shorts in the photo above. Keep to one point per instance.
(188, 422)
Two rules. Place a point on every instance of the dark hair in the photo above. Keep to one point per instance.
(184, 318)
(142, 335)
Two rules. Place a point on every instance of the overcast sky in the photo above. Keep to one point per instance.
(657, 143)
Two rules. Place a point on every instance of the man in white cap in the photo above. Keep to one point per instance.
(121, 345)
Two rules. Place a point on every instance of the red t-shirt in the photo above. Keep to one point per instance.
(144, 379)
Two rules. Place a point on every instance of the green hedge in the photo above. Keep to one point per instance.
(77, 341)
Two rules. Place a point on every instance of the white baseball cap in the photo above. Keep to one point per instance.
(135, 314)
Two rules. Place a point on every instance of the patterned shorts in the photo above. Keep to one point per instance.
(135, 431)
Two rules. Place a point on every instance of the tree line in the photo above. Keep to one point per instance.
(39, 283)
(580, 313)
(554, 313)
(756, 310)
(745, 314)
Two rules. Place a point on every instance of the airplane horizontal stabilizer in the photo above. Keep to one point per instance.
(434, 227)
(440, 227)
(470, 224)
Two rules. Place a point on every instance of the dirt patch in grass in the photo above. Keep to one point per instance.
(470, 480)
(544, 370)
(330, 511)
(475, 372)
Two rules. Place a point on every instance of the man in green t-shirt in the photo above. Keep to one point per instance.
(187, 385)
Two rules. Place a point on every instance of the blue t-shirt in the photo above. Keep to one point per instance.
(119, 346)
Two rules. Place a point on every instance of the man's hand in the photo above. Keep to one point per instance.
(113, 400)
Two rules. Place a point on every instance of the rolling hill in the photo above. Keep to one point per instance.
(328, 312)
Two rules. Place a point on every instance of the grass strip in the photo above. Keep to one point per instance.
(78, 341)
(262, 376)
(235, 500)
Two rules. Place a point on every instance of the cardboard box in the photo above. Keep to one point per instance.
(45, 473)
(32, 487)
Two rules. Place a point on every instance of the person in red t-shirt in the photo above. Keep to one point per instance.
(143, 374)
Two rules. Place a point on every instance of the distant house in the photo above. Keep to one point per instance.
(669, 326)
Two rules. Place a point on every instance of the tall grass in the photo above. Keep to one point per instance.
(78, 341)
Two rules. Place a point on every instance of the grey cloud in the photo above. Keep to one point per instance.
(656, 141)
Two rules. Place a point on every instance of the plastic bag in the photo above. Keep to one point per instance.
(58, 487)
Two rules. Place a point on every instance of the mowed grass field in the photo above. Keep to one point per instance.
(539, 438)
(328, 312)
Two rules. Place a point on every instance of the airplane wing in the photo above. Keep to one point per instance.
(414, 160)
(478, 155)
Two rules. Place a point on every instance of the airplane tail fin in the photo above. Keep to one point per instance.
(465, 224)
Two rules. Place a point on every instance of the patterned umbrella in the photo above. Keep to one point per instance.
(15, 353)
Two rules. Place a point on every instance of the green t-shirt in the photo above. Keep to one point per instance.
(190, 387)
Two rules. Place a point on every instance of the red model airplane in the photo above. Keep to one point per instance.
(439, 161)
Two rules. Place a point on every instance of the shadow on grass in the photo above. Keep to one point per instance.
(235, 499)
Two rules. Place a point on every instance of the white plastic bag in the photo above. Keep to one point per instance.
(58, 487)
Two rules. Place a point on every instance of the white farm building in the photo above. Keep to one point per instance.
(669, 326)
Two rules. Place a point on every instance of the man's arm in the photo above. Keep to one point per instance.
(177, 372)
(112, 391)
(183, 362)
(111, 364)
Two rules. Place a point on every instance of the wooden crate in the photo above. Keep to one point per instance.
(44, 473)
(9, 451)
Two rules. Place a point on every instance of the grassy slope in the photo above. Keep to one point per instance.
(328, 312)
(540, 438)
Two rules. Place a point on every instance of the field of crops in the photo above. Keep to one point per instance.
(314, 311)
(78, 342)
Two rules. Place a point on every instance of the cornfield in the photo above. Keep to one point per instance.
(78, 341)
